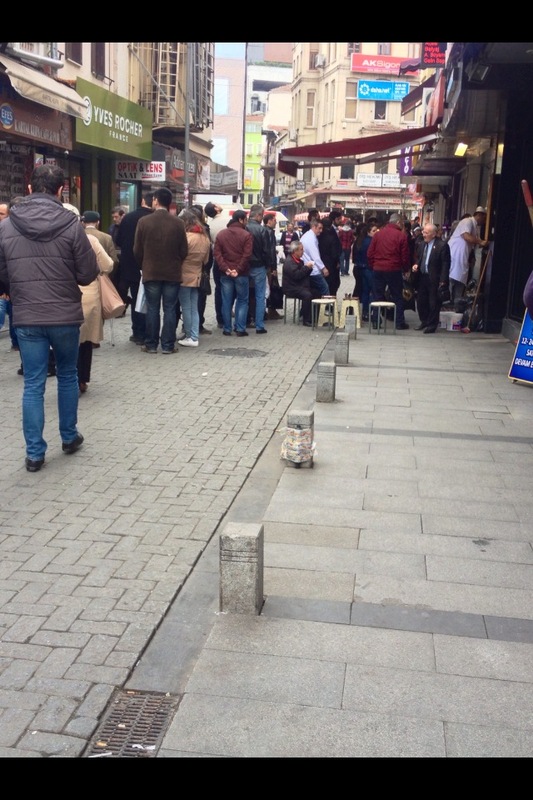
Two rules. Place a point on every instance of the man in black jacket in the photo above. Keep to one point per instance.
(45, 256)
(130, 271)
(259, 264)
(432, 257)
(330, 248)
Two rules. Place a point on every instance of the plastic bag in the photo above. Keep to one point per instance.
(140, 303)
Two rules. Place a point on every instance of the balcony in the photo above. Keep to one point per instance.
(43, 54)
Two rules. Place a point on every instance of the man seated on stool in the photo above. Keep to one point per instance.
(295, 279)
(432, 257)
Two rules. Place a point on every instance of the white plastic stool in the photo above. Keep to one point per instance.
(347, 303)
(381, 305)
(320, 306)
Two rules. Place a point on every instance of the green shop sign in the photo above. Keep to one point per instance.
(114, 123)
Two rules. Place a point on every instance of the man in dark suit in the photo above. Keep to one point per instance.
(160, 246)
(432, 265)
(130, 271)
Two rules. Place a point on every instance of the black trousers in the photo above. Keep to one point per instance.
(428, 302)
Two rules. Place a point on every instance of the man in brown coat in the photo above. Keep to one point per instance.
(159, 247)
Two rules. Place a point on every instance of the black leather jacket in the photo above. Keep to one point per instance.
(261, 252)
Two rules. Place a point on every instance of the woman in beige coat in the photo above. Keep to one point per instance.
(92, 330)
(199, 245)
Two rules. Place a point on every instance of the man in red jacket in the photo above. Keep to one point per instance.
(233, 251)
(388, 255)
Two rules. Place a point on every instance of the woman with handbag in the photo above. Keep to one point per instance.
(192, 271)
(92, 329)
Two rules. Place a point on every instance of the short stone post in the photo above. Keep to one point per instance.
(350, 326)
(325, 387)
(298, 446)
(342, 348)
(241, 568)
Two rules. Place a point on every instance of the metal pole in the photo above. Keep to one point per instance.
(186, 198)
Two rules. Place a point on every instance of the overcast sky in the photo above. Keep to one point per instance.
(230, 49)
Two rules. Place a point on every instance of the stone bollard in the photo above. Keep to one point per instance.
(342, 348)
(298, 446)
(325, 386)
(241, 568)
(350, 326)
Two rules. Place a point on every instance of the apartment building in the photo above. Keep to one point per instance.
(343, 91)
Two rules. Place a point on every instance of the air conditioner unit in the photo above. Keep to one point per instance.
(320, 60)
(314, 181)
(293, 133)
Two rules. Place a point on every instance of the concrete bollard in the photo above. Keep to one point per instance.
(342, 348)
(241, 568)
(350, 326)
(298, 446)
(325, 386)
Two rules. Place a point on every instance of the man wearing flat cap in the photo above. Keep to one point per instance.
(91, 223)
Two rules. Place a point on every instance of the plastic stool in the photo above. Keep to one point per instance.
(320, 306)
(296, 308)
(380, 305)
(346, 303)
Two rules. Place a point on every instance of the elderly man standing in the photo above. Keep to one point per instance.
(159, 247)
(432, 263)
(388, 255)
(45, 256)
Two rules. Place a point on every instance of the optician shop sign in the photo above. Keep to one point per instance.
(153, 171)
(114, 123)
(522, 366)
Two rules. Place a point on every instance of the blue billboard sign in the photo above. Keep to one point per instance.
(393, 91)
(522, 366)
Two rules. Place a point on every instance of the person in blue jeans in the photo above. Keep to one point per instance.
(259, 263)
(232, 253)
(45, 256)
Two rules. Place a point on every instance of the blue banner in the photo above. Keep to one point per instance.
(522, 366)
(382, 90)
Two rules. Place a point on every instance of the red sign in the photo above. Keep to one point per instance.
(433, 54)
(384, 65)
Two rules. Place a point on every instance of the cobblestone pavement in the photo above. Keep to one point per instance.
(95, 547)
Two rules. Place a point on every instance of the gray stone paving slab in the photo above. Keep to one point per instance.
(489, 658)
(242, 728)
(484, 741)
(442, 596)
(317, 640)
(481, 573)
(447, 698)
(510, 629)
(416, 619)
(483, 548)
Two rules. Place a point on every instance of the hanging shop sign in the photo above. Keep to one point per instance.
(114, 123)
(389, 65)
(153, 171)
(522, 366)
(23, 118)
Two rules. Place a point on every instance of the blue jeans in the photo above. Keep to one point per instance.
(155, 292)
(319, 285)
(258, 276)
(7, 309)
(345, 262)
(364, 277)
(35, 342)
(189, 311)
(235, 289)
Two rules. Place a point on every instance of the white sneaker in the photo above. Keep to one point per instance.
(188, 342)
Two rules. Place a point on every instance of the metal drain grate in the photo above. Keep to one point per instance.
(240, 352)
(134, 726)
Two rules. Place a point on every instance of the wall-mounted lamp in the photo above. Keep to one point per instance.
(460, 149)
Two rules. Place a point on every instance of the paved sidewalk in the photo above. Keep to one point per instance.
(398, 615)
(398, 619)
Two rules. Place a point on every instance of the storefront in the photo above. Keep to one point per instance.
(112, 141)
(33, 133)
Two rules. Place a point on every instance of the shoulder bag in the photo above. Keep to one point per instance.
(113, 305)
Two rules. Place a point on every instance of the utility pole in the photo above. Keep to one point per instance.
(188, 72)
